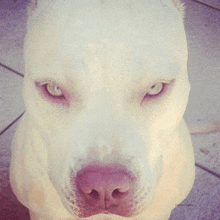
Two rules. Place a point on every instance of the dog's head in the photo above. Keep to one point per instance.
(105, 84)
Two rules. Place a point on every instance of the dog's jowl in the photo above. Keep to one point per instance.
(105, 90)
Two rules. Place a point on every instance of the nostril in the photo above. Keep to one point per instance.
(117, 194)
(94, 195)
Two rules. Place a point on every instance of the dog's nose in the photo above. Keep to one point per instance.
(106, 188)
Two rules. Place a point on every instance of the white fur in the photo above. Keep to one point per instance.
(104, 54)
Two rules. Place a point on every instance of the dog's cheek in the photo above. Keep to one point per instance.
(45, 115)
(168, 114)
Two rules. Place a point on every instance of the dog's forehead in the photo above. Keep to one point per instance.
(143, 32)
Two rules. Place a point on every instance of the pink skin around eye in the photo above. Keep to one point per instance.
(64, 99)
(152, 98)
(156, 95)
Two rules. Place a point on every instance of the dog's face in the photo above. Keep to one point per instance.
(105, 82)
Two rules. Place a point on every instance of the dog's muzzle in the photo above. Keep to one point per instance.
(107, 189)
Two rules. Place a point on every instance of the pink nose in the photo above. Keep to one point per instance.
(104, 189)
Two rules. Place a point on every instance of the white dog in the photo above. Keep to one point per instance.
(105, 90)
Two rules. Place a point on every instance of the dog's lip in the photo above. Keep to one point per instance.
(105, 212)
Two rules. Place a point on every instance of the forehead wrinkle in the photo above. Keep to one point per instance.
(111, 62)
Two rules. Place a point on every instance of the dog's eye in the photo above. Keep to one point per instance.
(155, 89)
(53, 90)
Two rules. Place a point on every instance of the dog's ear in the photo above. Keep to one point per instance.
(32, 4)
(180, 7)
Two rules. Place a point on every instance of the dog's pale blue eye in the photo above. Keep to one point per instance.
(155, 89)
(54, 90)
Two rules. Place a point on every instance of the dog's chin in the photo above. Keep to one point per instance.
(102, 214)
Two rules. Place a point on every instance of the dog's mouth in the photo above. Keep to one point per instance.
(107, 190)
(84, 210)
(79, 206)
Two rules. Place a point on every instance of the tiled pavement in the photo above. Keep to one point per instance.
(203, 33)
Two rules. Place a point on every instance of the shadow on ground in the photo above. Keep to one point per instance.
(10, 207)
